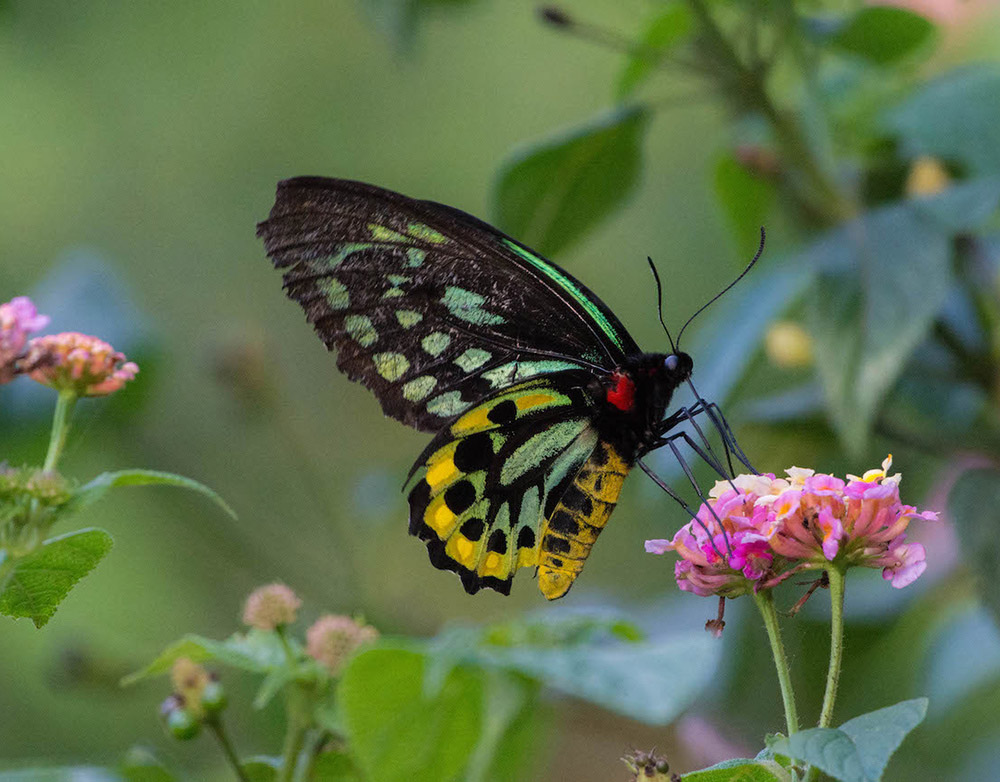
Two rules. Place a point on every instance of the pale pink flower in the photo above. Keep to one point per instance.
(755, 531)
(77, 362)
(18, 318)
(334, 638)
(271, 606)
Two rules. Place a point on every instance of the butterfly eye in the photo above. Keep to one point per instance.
(671, 362)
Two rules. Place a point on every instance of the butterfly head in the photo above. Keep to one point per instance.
(677, 367)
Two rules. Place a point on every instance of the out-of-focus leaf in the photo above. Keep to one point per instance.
(648, 681)
(256, 651)
(953, 672)
(549, 193)
(399, 732)
(507, 699)
(746, 199)
(335, 766)
(68, 774)
(663, 33)
(962, 207)
(262, 768)
(40, 581)
(272, 685)
(860, 749)
(883, 34)
(141, 765)
(795, 404)
(955, 117)
(974, 506)
(882, 280)
(740, 771)
(93, 490)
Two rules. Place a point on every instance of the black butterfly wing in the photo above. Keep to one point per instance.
(430, 308)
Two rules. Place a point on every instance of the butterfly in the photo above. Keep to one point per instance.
(539, 400)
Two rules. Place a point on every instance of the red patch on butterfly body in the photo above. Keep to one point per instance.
(622, 393)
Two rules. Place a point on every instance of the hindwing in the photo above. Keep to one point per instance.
(520, 480)
(430, 308)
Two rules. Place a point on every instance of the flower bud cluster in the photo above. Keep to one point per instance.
(757, 530)
(198, 697)
(70, 361)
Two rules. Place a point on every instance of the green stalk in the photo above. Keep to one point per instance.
(836, 576)
(765, 604)
(60, 428)
(297, 712)
(215, 725)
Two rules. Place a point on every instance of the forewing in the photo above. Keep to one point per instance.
(429, 307)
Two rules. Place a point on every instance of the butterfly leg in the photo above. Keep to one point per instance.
(680, 501)
(713, 411)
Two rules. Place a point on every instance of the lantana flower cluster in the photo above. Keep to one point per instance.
(757, 530)
(70, 361)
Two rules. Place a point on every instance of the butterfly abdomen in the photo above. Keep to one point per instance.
(578, 518)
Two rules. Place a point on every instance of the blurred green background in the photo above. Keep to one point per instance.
(141, 144)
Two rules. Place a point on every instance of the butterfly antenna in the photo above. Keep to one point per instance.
(760, 251)
(659, 303)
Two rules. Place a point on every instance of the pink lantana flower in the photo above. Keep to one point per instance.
(80, 363)
(18, 318)
(757, 530)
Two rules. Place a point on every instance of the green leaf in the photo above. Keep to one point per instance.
(883, 279)
(256, 651)
(398, 732)
(141, 765)
(272, 685)
(974, 506)
(90, 492)
(262, 768)
(335, 767)
(883, 34)
(860, 749)
(740, 771)
(649, 681)
(955, 117)
(745, 198)
(507, 699)
(663, 33)
(40, 581)
(551, 192)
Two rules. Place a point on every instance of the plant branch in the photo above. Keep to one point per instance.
(215, 724)
(821, 194)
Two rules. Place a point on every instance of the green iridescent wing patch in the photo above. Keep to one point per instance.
(430, 308)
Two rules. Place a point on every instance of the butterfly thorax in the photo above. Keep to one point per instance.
(636, 396)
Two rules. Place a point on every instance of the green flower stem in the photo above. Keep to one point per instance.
(765, 604)
(60, 428)
(215, 725)
(298, 712)
(836, 576)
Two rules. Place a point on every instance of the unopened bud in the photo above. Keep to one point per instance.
(788, 345)
(927, 176)
(213, 697)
